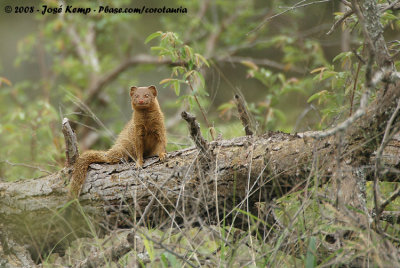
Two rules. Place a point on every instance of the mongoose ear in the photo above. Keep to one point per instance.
(153, 90)
(133, 88)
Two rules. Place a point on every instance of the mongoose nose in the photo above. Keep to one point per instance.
(141, 102)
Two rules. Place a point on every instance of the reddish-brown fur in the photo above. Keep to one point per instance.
(144, 135)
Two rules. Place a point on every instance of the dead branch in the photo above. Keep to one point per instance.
(195, 133)
(347, 14)
(244, 115)
(71, 144)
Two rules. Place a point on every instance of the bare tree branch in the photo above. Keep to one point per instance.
(299, 4)
(264, 61)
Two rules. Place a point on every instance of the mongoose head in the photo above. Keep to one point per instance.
(143, 97)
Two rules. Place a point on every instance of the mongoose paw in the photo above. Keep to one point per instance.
(139, 163)
(162, 156)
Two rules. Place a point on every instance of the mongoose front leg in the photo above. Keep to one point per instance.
(139, 134)
(161, 146)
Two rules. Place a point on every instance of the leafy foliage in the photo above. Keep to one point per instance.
(187, 72)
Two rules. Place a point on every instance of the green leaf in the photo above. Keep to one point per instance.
(311, 261)
(177, 87)
(191, 102)
(388, 16)
(159, 48)
(152, 36)
(202, 81)
(342, 56)
(317, 95)
(188, 52)
(149, 247)
(198, 56)
(169, 260)
(164, 260)
(177, 70)
(188, 74)
(166, 80)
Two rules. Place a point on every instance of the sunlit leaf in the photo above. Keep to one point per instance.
(177, 87)
(320, 69)
(198, 56)
(249, 64)
(152, 36)
(166, 80)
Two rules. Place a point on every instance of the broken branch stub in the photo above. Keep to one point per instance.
(195, 133)
(206, 156)
(244, 115)
(71, 144)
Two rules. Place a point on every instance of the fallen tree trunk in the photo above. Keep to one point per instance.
(35, 211)
(246, 170)
(32, 210)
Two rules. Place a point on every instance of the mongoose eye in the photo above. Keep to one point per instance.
(147, 95)
(136, 96)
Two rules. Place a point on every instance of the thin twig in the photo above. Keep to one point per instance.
(295, 6)
(262, 62)
(340, 20)
(150, 204)
(393, 6)
(355, 81)
(26, 165)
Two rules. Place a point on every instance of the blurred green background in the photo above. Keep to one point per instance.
(82, 66)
